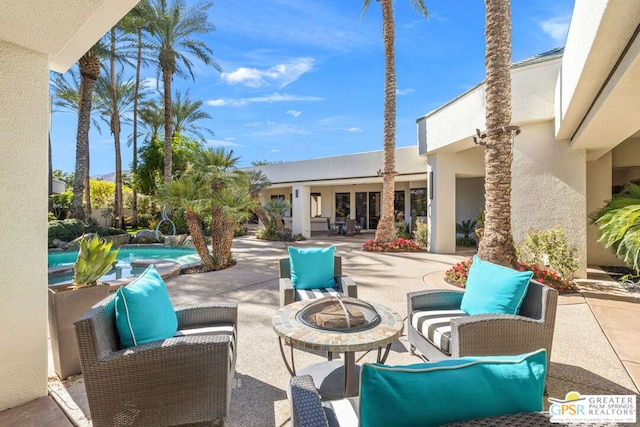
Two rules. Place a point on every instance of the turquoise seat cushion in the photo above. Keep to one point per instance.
(312, 268)
(494, 289)
(144, 312)
(431, 394)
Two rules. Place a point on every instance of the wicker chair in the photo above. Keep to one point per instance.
(180, 380)
(344, 284)
(487, 334)
(308, 411)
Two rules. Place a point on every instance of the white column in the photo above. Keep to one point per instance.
(441, 204)
(301, 210)
(24, 123)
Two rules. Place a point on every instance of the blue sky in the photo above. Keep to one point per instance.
(305, 78)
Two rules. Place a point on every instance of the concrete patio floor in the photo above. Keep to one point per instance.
(596, 346)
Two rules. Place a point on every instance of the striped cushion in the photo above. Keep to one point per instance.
(435, 326)
(341, 413)
(305, 294)
(212, 330)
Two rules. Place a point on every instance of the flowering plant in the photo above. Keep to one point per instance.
(457, 276)
(400, 245)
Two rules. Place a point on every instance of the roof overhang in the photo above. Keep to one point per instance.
(352, 181)
(62, 29)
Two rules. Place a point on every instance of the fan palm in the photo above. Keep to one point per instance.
(190, 193)
(275, 209)
(171, 31)
(386, 230)
(497, 244)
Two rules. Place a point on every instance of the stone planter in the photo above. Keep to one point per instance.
(65, 306)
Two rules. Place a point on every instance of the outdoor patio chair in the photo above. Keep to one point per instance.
(182, 380)
(351, 227)
(288, 294)
(333, 229)
(439, 329)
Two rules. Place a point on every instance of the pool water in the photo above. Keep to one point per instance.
(125, 256)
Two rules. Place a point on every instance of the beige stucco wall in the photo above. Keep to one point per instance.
(469, 198)
(24, 96)
(549, 186)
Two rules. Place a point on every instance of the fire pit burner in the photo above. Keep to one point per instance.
(339, 314)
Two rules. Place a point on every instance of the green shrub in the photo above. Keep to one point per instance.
(180, 221)
(549, 248)
(143, 220)
(51, 216)
(240, 230)
(269, 233)
(421, 233)
(402, 230)
(465, 228)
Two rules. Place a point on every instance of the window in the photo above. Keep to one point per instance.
(343, 206)
(398, 206)
(418, 202)
(316, 204)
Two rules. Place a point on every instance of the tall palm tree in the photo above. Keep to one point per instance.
(135, 22)
(113, 105)
(186, 112)
(497, 244)
(89, 65)
(172, 28)
(190, 193)
(386, 230)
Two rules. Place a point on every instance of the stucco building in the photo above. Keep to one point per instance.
(579, 114)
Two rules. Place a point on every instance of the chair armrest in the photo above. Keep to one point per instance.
(306, 409)
(347, 286)
(218, 312)
(287, 293)
(491, 334)
(434, 299)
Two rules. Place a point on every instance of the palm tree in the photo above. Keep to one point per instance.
(186, 112)
(113, 105)
(172, 27)
(497, 244)
(386, 230)
(135, 22)
(190, 193)
(258, 182)
(89, 65)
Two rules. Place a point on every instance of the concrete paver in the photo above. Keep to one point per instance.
(588, 343)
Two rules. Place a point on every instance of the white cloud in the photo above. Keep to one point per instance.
(403, 91)
(222, 143)
(275, 97)
(274, 151)
(149, 83)
(556, 28)
(279, 75)
(294, 113)
(353, 129)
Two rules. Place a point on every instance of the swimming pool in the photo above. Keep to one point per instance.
(126, 255)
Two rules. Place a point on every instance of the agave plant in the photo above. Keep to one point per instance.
(95, 259)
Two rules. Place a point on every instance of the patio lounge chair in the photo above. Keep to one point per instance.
(182, 380)
(288, 294)
(479, 335)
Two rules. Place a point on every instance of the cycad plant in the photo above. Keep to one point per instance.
(95, 259)
(465, 228)
(619, 225)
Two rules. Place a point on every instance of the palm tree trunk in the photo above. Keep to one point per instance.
(386, 231)
(50, 203)
(115, 130)
(497, 244)
(134, 166)
(193, 223)
(87, 187)
(168, 133)
(262, 217)
(217, 234)
(228, 229)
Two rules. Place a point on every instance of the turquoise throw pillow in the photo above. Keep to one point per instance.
(494, 289)
(144, 312)
(312, 268)
(431, 394)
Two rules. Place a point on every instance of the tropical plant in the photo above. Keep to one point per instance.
(61, 203)
(619, 225)
(497, 244)
(187, 113)
(386, 231)
(465, 228)
(95, 259)
(172, 28)
(402, 230)
(421, 233)
(275, 209)
(549, 248)
(189, 193)
(258, 182)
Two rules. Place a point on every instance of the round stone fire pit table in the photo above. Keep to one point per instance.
(334, 379)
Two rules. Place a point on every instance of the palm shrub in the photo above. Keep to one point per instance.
(619, 225)
(465, 228)
(95, 259)
(421, 233)
(275, 209)
(549, 248)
